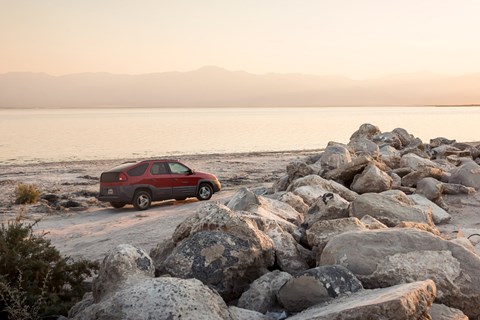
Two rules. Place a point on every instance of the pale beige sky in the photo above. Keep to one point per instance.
(355, 38)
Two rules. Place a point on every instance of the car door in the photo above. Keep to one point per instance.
(184, 183)
(161, 181)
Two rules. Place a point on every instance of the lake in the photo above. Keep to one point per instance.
(44, 135)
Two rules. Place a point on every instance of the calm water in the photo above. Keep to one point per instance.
(80, 134)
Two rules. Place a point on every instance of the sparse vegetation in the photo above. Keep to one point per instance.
(26, 193)
(35, 280)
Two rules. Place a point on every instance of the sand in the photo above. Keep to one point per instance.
(95, 228)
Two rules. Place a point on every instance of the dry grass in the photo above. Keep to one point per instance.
(27, 193)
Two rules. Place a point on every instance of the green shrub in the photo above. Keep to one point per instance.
(35, 280)
(26, 193)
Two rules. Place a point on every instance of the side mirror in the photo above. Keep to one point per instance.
(191, 171)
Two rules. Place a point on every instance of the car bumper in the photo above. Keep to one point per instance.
(217, 186)
(115, 194)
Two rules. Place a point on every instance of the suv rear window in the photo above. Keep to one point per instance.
(138, 171)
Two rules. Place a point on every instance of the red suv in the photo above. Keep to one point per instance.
(154, 180)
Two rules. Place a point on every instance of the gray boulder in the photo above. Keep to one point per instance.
(411, 179)
(371, 179)
(402, 134)
(246, 200)
(287, 256)
(224, 262)
(281, 184)
(328, 206)
(382, 258)
(296, 202)
(388, 139)
(364, 147)
(244, 314)
(366, 130)
(124, 263)
(298, 168)
(243, 200)
(346, 173)
(310, 194)
(261, 296)
(436, 142)
(442, 312)
(334, 156)
(317, 285)
(400, 302)
(468, 174)
(439, 215)
(390, 156)
(387, 210)
(371, 223)
(324, 184)
(159, 298)
(416, 162)
(321, 232)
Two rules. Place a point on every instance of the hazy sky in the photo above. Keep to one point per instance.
(355, 38)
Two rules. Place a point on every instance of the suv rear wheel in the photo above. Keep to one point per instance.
(205, 192)
(142, 200)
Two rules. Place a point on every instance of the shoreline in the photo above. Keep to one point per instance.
(176, 157)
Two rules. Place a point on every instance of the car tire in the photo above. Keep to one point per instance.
(205, 192)
(118, 205)
(142, 200)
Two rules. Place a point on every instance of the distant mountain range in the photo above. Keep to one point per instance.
(217, 87)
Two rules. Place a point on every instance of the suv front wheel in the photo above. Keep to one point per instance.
(142, 200)
(205, 192)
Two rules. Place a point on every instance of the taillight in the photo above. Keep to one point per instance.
(122, 176)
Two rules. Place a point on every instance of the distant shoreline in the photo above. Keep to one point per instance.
(237, 107)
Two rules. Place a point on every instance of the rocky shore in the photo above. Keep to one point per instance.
(382, 227)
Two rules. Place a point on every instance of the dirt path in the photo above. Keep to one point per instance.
(93, 234)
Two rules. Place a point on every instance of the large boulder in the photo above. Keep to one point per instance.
(416, 162)
(287, 255)
(296, 202)
(123, 264)
(366, 130)
(246, 200)
(224, 249)
(224, 262)
(468, 174)
(364, 147)
(387, 209)
(310, 194)
(321, 232)
(400, 302)
(439, 215)
(261, 296)
(237, 313)
(334, 156)
(298, 168)
(371, 179)
(159, 299)
(388, 139)
(346, 173)
(402, 134)
(390, 156)
(328, 206)
(411, 179)
(317, 285)
(385, 257)
(442, 312)
(324, 184)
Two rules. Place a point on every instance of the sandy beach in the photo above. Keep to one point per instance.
(92, 228)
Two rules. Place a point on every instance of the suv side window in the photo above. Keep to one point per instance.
(177, 168)
(158, 168)
(138, 170)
